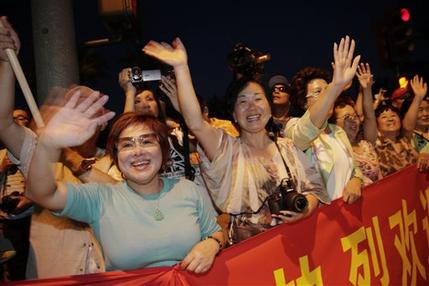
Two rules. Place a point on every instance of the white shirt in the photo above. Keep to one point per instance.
(341, 170)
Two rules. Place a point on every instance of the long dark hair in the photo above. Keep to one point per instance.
(142, 87)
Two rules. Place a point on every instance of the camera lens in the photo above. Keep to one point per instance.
(295, 202)
(300, 203)
(136, 75)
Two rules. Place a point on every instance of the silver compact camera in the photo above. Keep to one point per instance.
(138, 75)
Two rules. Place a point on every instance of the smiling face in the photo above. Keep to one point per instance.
(139, 155)
(346, 118)
(423, 116)
(388, 122)
(252, 109)
(145, 103)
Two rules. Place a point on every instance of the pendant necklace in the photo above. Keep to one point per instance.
(157, 213)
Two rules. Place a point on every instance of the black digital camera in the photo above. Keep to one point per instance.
(286, 198)
(245, 61)
(10, 202)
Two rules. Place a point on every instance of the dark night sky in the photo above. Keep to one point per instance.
(296, 34)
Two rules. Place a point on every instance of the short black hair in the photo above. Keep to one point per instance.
(236, 86)
(385, 107)
(341, 102)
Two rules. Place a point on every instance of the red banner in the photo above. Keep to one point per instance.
(383, 239)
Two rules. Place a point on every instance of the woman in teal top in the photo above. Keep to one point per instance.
(144, 221)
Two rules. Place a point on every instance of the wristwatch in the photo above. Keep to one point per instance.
(85, 166)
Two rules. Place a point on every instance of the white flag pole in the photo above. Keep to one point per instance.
(25, 88)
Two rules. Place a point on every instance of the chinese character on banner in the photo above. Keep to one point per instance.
(362, 258)
(424, 200)
(405, 243)
(308, 277)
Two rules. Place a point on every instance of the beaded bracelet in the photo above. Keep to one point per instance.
(217, 240)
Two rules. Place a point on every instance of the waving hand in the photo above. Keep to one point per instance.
(420, 88)
(345, 65)
(174, 54)
(76, 121)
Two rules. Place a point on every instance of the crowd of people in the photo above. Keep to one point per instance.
(177, 190)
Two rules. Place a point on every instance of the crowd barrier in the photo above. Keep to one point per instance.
(382, 239)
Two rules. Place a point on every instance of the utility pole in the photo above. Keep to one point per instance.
(56, 62)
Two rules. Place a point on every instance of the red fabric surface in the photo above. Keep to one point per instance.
(340, 244)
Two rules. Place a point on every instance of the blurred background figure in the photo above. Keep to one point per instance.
(21, 117)
(15, 212)
(399, 95)
(279, 88)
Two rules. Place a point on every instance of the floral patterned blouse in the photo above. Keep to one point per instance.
(392, 160)
(240, 182)
(368, 162)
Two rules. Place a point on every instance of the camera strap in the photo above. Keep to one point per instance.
(289, 174)
(189, 171)
(274, 138)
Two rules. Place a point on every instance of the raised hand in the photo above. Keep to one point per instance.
(420, 88)
(168, 86)
(381, 95)
(364, 75)
(124, 80)
(75, 122)
(8, 39)
(174, 54)
(345, 65)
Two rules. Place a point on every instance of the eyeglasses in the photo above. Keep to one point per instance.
(130, 143)
(279, 89)
(314, 94)
(348, 117)
(423, 109)
(20, 117)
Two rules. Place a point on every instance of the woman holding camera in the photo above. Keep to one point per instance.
(159, 221)
(243, 173)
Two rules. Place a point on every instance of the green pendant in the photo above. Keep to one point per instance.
(158, 215)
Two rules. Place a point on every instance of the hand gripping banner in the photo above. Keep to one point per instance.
(382, 239)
